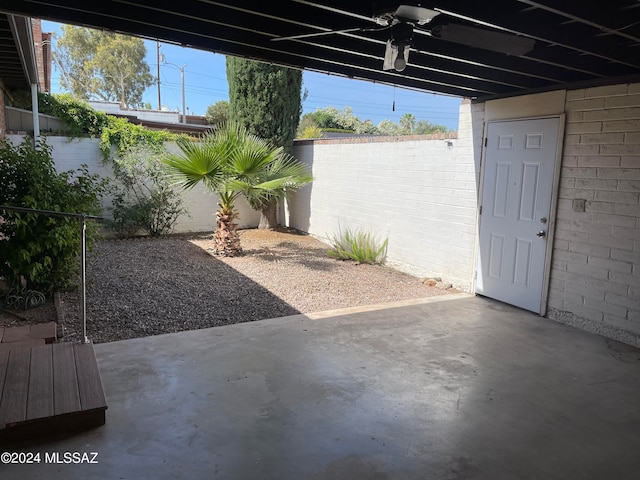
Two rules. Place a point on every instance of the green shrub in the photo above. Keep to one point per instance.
(312, 132)
(145, 200)
(40, 252)
(124, 136)
(82, 120)
(358, 245)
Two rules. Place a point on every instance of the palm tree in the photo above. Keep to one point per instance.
(232, 162)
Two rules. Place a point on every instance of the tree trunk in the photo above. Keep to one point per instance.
(226, 240)
(269, 215)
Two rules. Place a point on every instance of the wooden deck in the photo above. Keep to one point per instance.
(47, 389)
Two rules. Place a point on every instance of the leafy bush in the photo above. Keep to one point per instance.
(39, 252)
(126, 136)
(82, 120)
(312, 132)
(146, 201)
(358, 245)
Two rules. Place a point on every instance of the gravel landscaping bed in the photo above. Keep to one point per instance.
(146, 287)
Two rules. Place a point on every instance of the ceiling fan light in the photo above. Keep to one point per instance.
(400, 63)
(396, 56)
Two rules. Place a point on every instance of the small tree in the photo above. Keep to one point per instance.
(103, 65)
(387, 127)
(145, 201)
(407, 123)
(218, 113)
(424, 126)
(332, 118)
(231, 162)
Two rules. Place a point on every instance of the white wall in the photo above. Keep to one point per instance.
(416, 191)
(595, 279)
(70, 154)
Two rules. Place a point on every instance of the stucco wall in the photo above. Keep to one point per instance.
(418, 192)
(70, 154)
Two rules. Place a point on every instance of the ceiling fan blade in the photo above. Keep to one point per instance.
(418, 15)
(486, 39)
(317, 34)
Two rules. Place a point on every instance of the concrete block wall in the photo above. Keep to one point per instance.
(70, 154)
(595, 276)
(418, 192)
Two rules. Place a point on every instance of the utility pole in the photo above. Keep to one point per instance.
(184, 111)
(158, 80)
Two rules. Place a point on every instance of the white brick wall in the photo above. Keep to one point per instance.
(70, 154)
(595, 276)
(417, 192)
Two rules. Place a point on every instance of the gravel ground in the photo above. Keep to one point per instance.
(144, 287)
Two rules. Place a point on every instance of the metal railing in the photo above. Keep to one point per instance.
(82, 218)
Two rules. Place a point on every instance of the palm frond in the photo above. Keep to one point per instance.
(231, 161)
(197, 162)
(288, 166)
(252, 156)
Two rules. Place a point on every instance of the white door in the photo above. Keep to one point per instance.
(520, 160)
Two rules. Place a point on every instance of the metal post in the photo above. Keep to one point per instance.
(184, 111)
(36, 113)
(83, 251)
(184, 108)
(158, 71)
(83, 272)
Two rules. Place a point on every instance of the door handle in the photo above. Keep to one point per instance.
(541, 234)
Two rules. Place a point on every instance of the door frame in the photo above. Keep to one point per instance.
(553, 205)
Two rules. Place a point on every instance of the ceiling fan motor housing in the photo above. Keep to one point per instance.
(401, 33)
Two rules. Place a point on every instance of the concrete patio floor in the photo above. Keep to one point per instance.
(452, 388)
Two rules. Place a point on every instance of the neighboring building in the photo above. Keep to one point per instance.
(25, 57)
(155, 119)
(42, 47)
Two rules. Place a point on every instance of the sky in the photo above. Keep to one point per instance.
(206, 83)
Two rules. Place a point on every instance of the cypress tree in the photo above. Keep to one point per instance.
(266, 99)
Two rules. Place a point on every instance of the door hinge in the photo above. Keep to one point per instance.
(486, 141)
(480, 210)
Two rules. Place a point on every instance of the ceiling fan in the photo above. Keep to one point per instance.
(403, 21)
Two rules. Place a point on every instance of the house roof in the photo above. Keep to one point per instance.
(575, 43)
(186, 128)
(18, 68)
